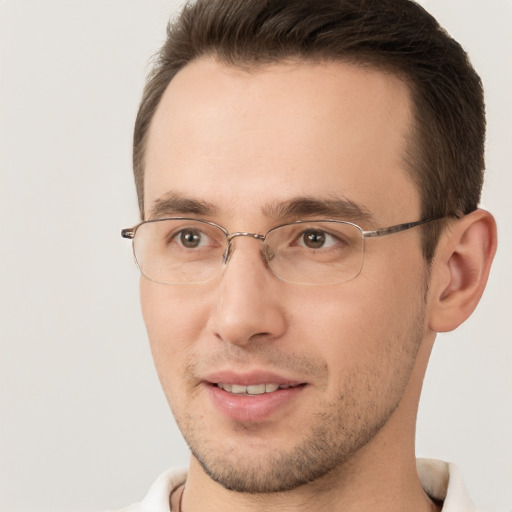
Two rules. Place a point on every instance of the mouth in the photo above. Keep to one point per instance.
(254, 389)
(253, 398)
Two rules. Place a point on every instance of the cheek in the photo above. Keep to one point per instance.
(173, 320)
(367, 324)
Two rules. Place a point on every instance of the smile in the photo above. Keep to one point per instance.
(253, 389)
(254, 400)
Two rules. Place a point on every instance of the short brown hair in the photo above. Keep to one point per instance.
(446, 154)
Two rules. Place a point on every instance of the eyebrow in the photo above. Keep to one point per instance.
(176, 204)
(332, 207)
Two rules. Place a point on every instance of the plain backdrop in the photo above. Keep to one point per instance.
(84, 424)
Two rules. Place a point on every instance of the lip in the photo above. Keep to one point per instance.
(252, 408)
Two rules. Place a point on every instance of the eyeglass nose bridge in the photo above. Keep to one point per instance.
(229, 238)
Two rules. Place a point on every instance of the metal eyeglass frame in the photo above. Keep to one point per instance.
(130, 233)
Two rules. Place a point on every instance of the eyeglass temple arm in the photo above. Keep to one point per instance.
(402, 227)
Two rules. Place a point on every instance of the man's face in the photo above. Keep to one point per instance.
(251, 145)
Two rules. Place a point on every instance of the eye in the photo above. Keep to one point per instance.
(316, 239)
(191, 238)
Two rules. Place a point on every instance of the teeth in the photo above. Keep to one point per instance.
(238, 390)
(254, 389)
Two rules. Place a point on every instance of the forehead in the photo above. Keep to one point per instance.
(241, 139)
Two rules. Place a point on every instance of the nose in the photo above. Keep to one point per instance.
(248, 298)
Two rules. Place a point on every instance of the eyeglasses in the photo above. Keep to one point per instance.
(190, 251)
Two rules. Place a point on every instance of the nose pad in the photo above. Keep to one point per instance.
(227, 253)
(268, 253)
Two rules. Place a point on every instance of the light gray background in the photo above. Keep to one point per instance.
(84, 425)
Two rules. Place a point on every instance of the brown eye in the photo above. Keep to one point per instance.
(190, 238)
(314, 239)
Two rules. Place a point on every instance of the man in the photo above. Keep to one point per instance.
(308, 176)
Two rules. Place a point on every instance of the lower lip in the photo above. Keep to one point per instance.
(252, 408)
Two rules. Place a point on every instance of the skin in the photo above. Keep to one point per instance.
(264, 136)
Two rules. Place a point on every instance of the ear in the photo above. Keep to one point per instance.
(460, 269)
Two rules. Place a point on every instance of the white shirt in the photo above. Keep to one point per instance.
(440, 480)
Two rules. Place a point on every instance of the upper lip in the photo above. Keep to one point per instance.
(250, 378)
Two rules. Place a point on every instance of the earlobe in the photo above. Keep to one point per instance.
(460, 269)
